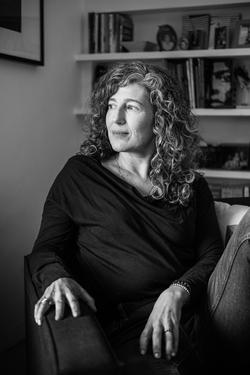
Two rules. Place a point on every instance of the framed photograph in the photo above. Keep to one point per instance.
(21, 30)
(166, 38)
(219, 87)
(221, 37)
(242, 34)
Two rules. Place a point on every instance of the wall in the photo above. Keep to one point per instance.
(38, 132)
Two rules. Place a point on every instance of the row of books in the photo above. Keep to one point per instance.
(107, 31)
(226, 156)
(220, 191)
(205, 31)
(190, 73)
(213, 83)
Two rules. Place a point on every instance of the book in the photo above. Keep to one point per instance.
(190, 79)
(96, 32)
(104, 33)
(91, 26)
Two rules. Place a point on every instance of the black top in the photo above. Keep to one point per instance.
(128, 247)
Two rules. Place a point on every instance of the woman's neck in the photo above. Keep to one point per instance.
(135, 164)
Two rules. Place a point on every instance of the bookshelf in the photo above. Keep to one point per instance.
(146, 18)
(156, 55)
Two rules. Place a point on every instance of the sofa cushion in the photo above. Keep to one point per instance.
(229, 217)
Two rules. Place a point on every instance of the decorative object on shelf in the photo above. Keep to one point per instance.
(196, 29)
(242, 34)
(227, 156)
(21, 31)
(221, 37)
(218, 25)
(139, 46)
(242, 74)
(166, 38)
(220, 87)
(183, 43)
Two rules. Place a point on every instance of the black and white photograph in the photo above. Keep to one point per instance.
(124, 187)
(242, 34)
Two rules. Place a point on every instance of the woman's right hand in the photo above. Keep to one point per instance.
(61, 291)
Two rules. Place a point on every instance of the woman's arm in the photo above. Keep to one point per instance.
(208, 242)
(55, 241)
(53, 249)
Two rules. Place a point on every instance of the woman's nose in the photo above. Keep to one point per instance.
(120, 116)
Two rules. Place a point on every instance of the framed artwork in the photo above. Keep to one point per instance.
(242, 34)
(220, 90)
(166, 38)
(21, 31)
(221, 37)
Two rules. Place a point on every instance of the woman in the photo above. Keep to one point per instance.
(138, 221)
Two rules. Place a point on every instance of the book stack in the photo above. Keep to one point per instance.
(107, 31)
(221, 190)
(190, 74)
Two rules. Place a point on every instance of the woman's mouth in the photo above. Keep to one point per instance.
(119, 133)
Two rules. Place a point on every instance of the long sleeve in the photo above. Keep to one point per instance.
(208, 243)
(55, 240)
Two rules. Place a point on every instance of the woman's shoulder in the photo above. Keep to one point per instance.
(80, 162)
(75, 165)
(78, 168)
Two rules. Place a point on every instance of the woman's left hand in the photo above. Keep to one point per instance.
(164, 320)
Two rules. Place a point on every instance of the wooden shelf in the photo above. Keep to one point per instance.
(198, 112)
(219, 173)
(221, 112)
(208, 53)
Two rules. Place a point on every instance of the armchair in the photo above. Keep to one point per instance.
(74, 346)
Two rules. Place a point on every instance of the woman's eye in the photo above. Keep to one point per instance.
(132, 107)
(110, 106)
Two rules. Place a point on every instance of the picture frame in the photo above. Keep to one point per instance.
(221, 37)
(242, 34)
(22, 30)
(220, 84)
(166, 38)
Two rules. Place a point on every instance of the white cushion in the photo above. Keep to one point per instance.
(228, 215)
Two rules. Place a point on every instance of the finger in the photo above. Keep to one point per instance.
(59, 307)
(169, 342)
(88, 299)
(145, 337)
(156, 341)
(74, 305)
(40, 309)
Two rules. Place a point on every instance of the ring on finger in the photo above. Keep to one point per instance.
(45, 299)
(168, 330)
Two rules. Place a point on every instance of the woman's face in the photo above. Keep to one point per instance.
(129, 120)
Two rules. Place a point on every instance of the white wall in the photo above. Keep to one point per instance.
(38, 132)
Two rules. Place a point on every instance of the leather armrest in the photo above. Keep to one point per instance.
(71, 346)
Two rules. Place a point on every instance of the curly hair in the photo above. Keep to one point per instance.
(177, 151)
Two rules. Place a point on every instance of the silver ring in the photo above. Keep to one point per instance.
(44, 299)
(168, 330)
